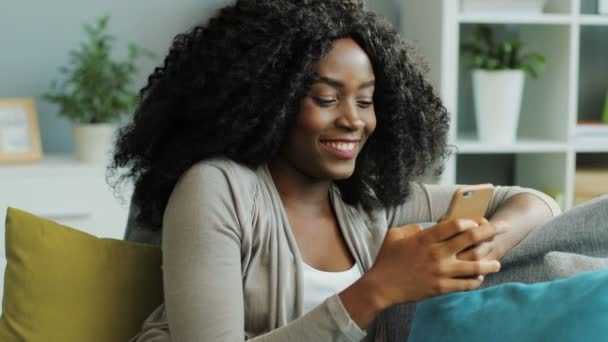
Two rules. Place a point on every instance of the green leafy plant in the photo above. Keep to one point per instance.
(95, 88)
(605, 114)
(485, 52)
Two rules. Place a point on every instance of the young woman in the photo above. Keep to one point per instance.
(277, 150)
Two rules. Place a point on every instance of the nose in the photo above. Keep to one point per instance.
(350, 118)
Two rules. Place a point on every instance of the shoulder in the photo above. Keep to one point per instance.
(216, 182)
(221, 172)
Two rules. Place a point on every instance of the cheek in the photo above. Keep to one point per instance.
(370, 123)
(312, 120)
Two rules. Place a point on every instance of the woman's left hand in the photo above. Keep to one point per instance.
(491, 249)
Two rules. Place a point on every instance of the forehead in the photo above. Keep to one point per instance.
(346, 59)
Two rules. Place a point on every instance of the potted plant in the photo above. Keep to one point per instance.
(95, 91)
(498, 81)
(605, 114)
(602, 6)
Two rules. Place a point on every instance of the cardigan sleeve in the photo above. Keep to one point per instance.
(202, 233)
(427, 203)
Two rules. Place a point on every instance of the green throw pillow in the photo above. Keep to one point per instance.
(64, 285)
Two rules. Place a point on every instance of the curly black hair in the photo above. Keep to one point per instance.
(232, 88)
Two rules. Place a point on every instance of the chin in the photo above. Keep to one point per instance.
(338, 172)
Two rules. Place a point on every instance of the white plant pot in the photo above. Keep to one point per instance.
(94, 143)
(602, 6)
(502, 6)
(497, 96)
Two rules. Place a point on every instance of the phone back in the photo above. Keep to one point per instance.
(470, 202)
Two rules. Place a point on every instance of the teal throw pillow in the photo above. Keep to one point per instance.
(570, 309)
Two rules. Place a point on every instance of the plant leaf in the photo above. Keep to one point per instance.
(95, 87)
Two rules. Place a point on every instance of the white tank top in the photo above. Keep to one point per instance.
(319, 285)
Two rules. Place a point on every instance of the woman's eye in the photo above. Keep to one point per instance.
(365, 104)
(324, 102)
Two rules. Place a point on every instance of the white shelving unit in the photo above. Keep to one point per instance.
(544, 156)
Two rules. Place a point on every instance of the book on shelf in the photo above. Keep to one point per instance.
(589, 183)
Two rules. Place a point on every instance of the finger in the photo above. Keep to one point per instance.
(450, 285)
(461, 268)
(501, 226)
(404, 231)
(476, 252)
(504, 225)
(410, 229)
(448, 229)
(471, 237)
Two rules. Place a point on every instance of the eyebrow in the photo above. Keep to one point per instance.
(337, 84)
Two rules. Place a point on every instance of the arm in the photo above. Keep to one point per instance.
(429, 202)
(201, 260)
(517, 208)
(521, 213)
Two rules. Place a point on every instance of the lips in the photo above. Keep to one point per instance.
(341, 148)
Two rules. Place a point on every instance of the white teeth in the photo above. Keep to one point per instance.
(340, 145)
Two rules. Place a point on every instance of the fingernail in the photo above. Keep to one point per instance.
(498, 266)
(480, 277)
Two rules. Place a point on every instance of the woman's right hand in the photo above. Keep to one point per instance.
(415, 263)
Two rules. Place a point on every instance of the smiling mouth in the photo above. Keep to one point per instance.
(342, 146)
(341, 149)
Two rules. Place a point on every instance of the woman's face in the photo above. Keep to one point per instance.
(336, 117)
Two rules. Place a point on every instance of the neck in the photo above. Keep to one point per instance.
(298, 191)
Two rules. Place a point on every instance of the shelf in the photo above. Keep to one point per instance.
(469, 145)
(543, 19)
(572, 37)
(598, 146)
(596, 20)
(52, 164)
(47, 160)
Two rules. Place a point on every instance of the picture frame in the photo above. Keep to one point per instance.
(19, 131)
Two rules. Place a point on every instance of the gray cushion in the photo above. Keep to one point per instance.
(562, 264)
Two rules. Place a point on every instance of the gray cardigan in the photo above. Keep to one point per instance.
(232, 268)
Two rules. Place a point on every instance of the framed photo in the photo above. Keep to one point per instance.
(19, 132)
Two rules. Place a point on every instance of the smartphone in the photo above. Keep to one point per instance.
(470, 202)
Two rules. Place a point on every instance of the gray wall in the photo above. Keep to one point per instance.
(390, 9)
(35, 37)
